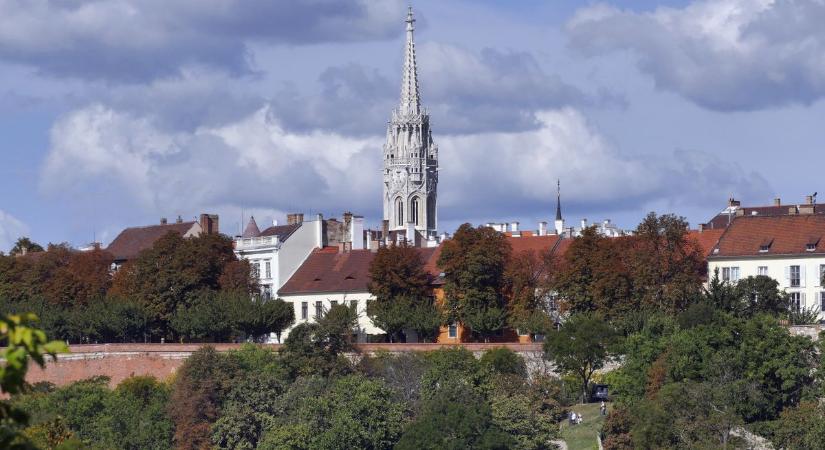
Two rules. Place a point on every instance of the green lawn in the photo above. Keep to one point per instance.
(583, 436)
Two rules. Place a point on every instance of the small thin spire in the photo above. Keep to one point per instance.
(410, 98)
(558, 200)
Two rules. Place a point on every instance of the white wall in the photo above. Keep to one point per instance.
(809, 265)
(365, 325)
(295, 250)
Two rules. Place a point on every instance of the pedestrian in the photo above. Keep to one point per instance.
(603, 408)
(573, 418)
(579, 418)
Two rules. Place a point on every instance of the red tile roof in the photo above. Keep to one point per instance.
(721, 220)
(132, 241)
(787, 235)
(328, 270)
(707, 239)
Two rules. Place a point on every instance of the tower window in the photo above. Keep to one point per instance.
(399, 211)
(414, 211)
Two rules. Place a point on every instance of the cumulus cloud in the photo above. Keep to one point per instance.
(132, 41)
(721, 54)
(256, 164)
(515, 173)
(249, 163)
(10, 230)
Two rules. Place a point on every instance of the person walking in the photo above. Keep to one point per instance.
(603, 408)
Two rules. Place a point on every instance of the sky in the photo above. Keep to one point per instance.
(117, 113)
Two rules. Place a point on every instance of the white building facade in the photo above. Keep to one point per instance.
(789, 249)
(410, 168)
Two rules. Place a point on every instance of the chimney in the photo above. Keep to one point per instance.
(274, 222)
(542, 228)
(809, 199)
(584, 224)
(294, 218)
(514, 227)
(179, 220)
(702, 227)
(209, 223)
(734, 203)
(346, 229)
(319, 231)
(357, 233)
(777, 202)
(163, 221)
(792, 211)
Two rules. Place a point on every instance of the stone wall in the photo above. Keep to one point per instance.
(120, 361)
(812, 331)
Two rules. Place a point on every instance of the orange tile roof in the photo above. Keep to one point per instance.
(707, 239)
(786, 235)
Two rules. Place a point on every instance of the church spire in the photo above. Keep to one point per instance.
(410, 99)
(558, 200)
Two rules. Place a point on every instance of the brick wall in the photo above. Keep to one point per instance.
(120, 361)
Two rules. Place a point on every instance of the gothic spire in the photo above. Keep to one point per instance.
(558, 200)
(410, 99)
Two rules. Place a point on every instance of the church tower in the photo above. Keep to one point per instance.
(410, 155)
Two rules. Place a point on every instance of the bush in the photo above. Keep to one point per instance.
(504, 361)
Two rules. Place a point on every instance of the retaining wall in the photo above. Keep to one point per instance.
(120, 361)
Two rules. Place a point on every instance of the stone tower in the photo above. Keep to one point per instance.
(410, 155)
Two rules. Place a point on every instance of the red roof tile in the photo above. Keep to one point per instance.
(132, 241)
(707, 239)
(788, 235)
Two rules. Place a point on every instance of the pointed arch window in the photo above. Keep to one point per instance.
(399, 212)
(414, 211)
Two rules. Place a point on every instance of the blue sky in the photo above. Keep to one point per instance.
(118, 113)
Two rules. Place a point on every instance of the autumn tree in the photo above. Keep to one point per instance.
(528, 279)
(474, 262)
(400, 286)
(172, 273)
(667, 266)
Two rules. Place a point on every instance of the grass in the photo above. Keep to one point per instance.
(583, 435)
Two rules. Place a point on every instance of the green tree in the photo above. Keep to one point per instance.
(529, 283)
(173, 272)
(580, 347)
(134, 416)
(761, 295)
(504, 361)
(21, 342)
(474, 262)
(457, 418)
(274, 317)
(318, 348)
(25, 245)
(251, 407)
(353, 412)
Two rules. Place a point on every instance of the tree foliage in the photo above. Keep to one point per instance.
(474, 262)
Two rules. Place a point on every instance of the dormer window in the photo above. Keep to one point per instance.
(810, 246)
(765, 246)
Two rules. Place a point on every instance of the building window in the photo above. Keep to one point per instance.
(734, 274)
(267, 292)
(795, 276)
(399, 212)
(414, 211)
(304, 310)
(256, 270)
(452, 331)
(354, 305)
(319, 309)
(333, 303)
(822, 301)
(821, 273)
(726, 274)
(796, 301)
(762, 270)
(268, 269)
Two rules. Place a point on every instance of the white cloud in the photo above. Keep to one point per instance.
(10, 230)
(253, 163)
(516, 172)
(721, 54)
